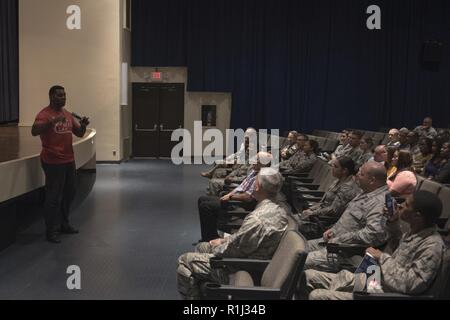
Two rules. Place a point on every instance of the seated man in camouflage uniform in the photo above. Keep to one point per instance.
(291, 146)
(247, 149)
(302, 161)
(212, 209)
(240, 171)
(362, 221)
(311, 221)
(410, 269)
(258, 238)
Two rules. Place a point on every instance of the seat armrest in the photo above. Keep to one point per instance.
(316, 193)
(253, 266)
(297, 177)
(226, 292)
(309, 186)
(387, 296)
(302, 180)
(239, 213)
(347, 249)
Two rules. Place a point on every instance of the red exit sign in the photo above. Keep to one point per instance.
(157, 76)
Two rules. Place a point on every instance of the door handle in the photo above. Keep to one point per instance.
(155, 128)
(161, 128)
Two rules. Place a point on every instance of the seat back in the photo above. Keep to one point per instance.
(330, 145)
(441, 284)
(287, 264)
(317, 167)
(378, 138)
(444, 195)
(322, 175)
(292, 224)
(431, 186)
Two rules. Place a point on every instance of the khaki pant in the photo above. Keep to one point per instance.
(329, 286)
(194, 270)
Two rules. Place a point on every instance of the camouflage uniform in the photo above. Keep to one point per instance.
(354, 154)
(240, 171)
(361, 223)
(363, 158)
(290, 150)
(332, 204)
(410, 270)
(258, 238)
(298, 163)
(340, 150)
(430, 133)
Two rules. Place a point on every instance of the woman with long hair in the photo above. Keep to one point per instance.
(390, 167)
(403, 182)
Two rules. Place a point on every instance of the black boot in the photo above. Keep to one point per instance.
(68, 229)
(53, 237)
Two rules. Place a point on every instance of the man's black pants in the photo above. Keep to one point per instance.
(211, 211)
(59, 194)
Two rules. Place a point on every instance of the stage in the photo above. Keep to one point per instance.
(22, 178)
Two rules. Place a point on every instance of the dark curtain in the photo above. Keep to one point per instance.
(304, 64)
(9, 61)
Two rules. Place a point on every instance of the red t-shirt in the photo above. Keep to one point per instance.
(57, 140)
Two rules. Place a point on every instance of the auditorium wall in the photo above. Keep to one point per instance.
(193, 100)
(87, 62)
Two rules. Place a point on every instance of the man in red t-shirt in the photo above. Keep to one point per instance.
(55, 126)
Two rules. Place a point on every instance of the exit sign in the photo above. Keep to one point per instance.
(157, 76)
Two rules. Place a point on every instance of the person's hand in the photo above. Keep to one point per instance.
(226, 198)
(55, 120)
(395, 216)
(376, 254)
(216, 242)
(327, 235)
(306, 213)
(84, 122)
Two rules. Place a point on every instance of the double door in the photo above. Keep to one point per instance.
(158, 110)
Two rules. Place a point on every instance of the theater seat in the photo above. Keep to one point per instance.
(279, 275)
(439, 289)
(431, 186)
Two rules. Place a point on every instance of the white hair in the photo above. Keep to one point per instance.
(265, 159)
(270, 181)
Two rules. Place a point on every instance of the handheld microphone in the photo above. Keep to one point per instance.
(76, 116)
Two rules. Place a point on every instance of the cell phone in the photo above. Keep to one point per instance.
(390, 204)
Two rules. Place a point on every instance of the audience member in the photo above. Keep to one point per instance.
(301, 161)
(443, 175)
(290, 147)
(257, 238)
(403, 139)
(426, 130)
(341, 192)
(362, 221)
(212, 208)
(366, 146)
(390, 167)
(393, 138)
(420, 160)
(432, 167)
(410, 269)
(403, 182)
(380, 154)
